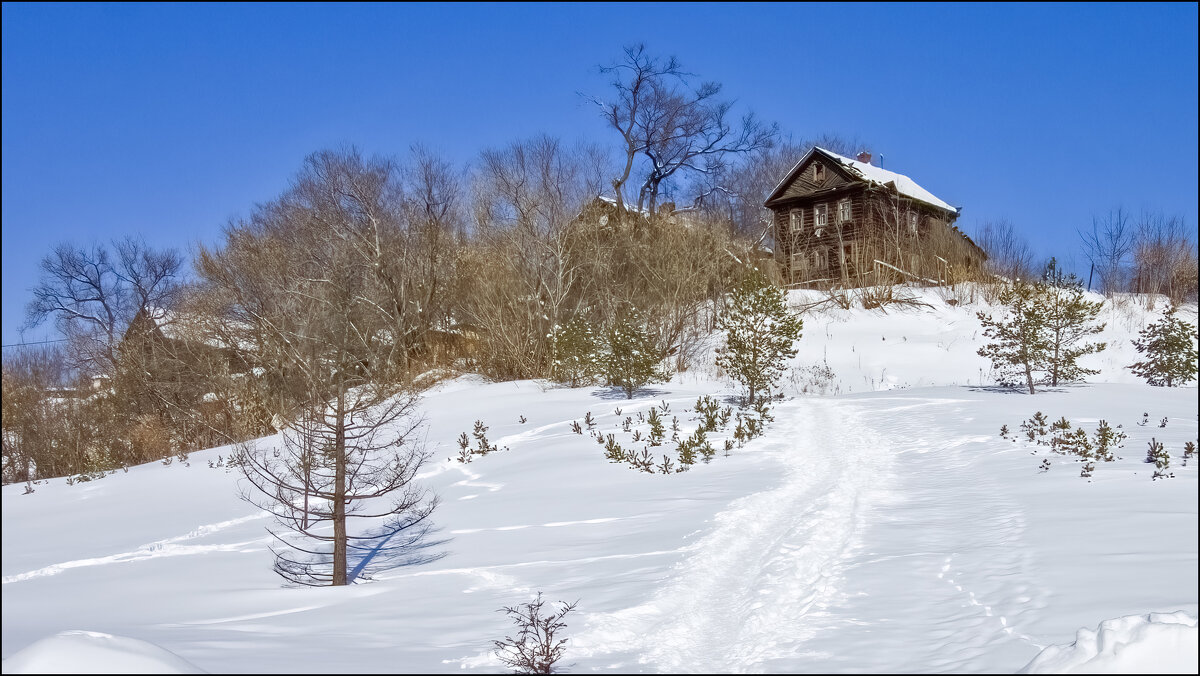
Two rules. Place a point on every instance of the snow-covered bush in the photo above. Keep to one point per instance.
(577, 352)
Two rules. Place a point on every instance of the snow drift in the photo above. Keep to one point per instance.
(93, 652)
(1157, 643)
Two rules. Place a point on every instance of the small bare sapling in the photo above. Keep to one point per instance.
(536, 648)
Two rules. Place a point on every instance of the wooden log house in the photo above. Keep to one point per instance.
(847, 223)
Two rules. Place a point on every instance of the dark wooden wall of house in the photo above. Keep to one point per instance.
(860, 238)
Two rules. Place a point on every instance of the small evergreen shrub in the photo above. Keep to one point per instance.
(760, 333)
(1035, 427)
(1169, 351)
(577, 354)
(1161, 459)
(1108, 440)
(657, 430)
(632, 360)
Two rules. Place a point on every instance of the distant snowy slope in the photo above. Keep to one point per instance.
(934, 340)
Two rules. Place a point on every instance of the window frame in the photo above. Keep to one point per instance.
(820, 217)
(845, 211)
(818, 261)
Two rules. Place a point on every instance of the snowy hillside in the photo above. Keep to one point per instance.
(881, 525)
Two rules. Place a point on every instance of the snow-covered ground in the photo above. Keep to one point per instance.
(881, 524)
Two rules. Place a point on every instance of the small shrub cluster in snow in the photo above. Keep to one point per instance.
(1062, 438)
(717, 429)
(482, 446)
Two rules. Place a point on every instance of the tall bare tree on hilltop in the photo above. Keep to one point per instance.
(675, 127)
(93, 292)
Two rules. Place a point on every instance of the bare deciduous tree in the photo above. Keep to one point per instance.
(676, 127)
(538, 645)
(1107, 246)
(92, 294)
(632, 81)
(305, 292)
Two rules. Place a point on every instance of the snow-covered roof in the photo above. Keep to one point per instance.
(872, 174)
(631, 208)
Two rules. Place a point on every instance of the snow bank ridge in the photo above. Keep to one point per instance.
(93, 652)
(1157, 643)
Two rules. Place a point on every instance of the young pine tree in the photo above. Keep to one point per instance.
(576, 352)
(633, 358)
(1020, 349)
(760, 333)
(1168, 346)
(1069, 319)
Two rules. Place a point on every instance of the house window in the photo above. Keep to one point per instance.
(849, 254)
(844, 211)
(818, 172)
(794, 221)
(912, 223)
(820, 216)
(820, 260)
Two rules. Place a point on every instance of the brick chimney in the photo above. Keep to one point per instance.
(864, 157)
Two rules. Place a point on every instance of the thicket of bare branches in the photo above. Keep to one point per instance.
(548, 249)
(36, 433)
(1150, 253)
(1164, 257)
(672, 270)
(1009, 253)
(518, 276)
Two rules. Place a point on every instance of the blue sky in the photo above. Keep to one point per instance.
(166, 120)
